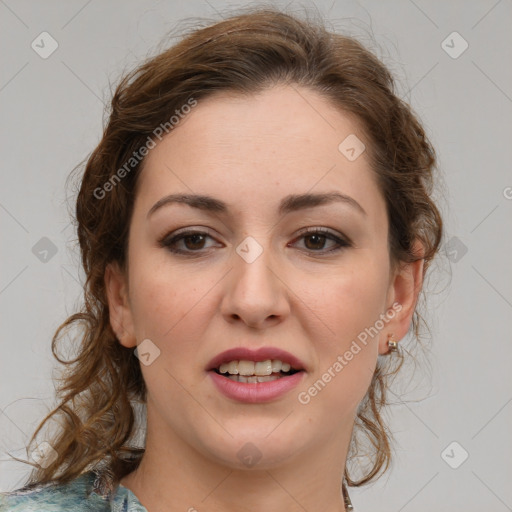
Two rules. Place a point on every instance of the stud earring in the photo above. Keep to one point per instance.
(392, 344)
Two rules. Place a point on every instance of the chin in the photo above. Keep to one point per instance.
(253, 449)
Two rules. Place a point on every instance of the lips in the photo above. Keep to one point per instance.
(255, 389)
(256, 355)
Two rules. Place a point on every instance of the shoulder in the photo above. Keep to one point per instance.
(79, 495)
(54, 497)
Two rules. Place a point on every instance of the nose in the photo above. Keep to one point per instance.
(255, 293)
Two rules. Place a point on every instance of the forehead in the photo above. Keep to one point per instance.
(252, 150)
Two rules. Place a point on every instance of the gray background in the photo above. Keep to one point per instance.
(51, 117)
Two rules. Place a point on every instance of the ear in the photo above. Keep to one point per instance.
(404, 288)
(118, 304)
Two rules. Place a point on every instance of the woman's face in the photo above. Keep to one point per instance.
(251, 279)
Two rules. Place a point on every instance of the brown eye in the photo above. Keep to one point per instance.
(194, 241)
(315, 240)
(188, 242)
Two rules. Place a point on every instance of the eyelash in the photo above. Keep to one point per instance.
(169, 241)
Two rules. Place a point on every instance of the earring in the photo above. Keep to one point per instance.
(392, 344)
(346, 497)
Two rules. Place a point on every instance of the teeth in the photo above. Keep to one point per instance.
(232, 368)
(263, 368)
(276, 365)
(250, 368)
(268, 378)
(246, 367)
(265, 378)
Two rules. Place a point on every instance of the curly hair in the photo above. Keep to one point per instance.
(244, 53)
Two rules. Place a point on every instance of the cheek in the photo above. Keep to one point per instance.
(352, 309)
(169, 304)
(171, 311)
(160, 308)
(348, 302)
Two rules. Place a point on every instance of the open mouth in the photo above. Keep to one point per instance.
(257, 378)
(255, 371)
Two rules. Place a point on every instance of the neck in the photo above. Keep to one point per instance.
(180, 478)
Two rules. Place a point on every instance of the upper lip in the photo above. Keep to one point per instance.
(249, 354)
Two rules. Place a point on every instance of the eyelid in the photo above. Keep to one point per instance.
(202, 230)
(340, 239)
(325, 231)
(187, 231)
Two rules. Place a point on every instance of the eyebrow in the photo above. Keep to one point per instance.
(290, 203)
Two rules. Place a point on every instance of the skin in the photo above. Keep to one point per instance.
(250, 152)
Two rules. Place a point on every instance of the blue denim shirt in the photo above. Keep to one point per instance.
(89, 492)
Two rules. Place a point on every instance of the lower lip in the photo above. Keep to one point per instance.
(256, 392)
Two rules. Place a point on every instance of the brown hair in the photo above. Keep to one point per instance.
(245, 53)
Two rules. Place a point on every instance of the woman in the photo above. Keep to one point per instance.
(255, 227)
